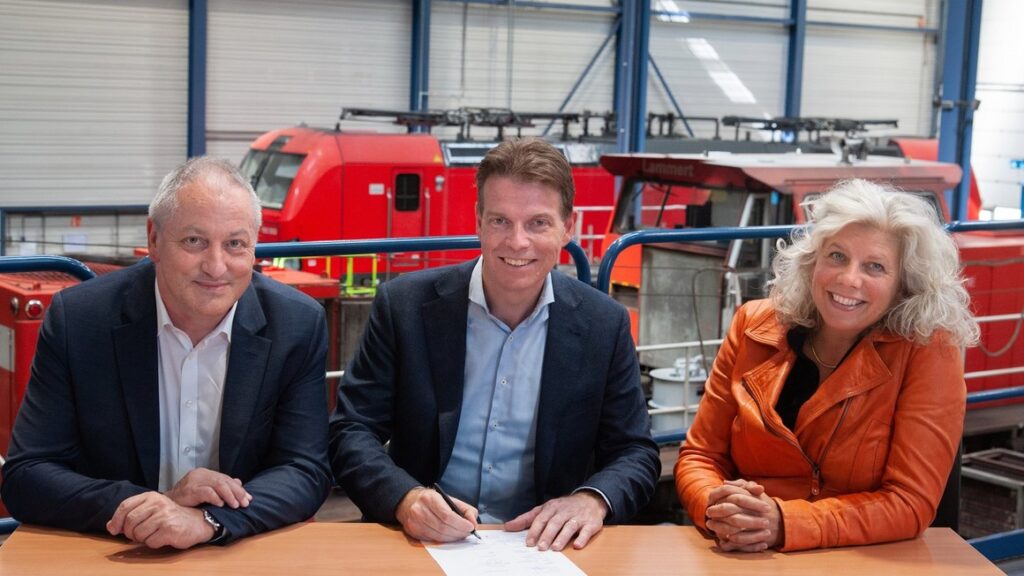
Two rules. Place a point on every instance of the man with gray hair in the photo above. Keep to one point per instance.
(181, 400)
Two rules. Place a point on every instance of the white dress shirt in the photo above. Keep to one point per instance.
(191, 382)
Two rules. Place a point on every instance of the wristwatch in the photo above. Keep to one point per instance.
(218, 529)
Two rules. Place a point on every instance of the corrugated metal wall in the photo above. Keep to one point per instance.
(999, 122)
(94, 92)
(550, 49)
(868, 73)
(718, 68)
(92, 99)
(273, 64)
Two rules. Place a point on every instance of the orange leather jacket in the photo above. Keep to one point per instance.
(872, 448)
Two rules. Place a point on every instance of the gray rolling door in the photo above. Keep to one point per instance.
(871, 73)
(274, 64)
(92, 99)
(550, 49)
(718, 69)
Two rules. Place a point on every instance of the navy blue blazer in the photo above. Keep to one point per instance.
(405, 386)
(88, 432)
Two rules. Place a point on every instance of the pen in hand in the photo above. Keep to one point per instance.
(451, 504)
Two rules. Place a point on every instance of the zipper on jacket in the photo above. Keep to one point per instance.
(816, 482)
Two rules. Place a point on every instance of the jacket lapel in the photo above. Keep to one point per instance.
(559, 385)
(243, 383)
(444, 323)
(765, 381)
(861, 371)
(135, 350)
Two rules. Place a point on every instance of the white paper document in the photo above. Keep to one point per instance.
(500, 553)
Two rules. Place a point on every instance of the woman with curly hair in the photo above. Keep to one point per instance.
(835, 407)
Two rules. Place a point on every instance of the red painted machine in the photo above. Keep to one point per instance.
(337, 185)
(687, 292)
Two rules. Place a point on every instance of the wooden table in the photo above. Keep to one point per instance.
(324, 548)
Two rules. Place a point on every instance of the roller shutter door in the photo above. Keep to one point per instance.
(274, 64)
(871, 73)
(550, 49)
(718, 69)
(92, 99)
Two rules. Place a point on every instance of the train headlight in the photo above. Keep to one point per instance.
(34, 309)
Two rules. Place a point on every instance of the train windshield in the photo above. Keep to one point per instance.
(660, 205)
(271, 173)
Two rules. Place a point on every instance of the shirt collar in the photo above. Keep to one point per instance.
(476, 290)
(163, 319)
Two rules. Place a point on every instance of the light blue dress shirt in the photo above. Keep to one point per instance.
(492, 462)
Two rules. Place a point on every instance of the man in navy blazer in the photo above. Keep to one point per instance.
(508, 385)
(180, 400)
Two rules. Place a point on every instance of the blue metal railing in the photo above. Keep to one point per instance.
(1001, 546)
(295, 249)
(46, 263)
(390, 245)
(652, 236)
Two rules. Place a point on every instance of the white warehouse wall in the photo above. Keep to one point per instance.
(999, 121)
(93, 99)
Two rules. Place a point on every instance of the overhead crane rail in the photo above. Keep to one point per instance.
(467, 117)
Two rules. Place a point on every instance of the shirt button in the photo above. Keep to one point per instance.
(187, 449)
(189, 403)
(504, 382)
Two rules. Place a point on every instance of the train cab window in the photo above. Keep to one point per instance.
(407, 192)
(271, 174)
(657, 205)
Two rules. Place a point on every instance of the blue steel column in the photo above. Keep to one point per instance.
(419, 69)
(638, 128)
(959, 76)
(197, 16)
(631, 74)
(795, 58)
(624, 62)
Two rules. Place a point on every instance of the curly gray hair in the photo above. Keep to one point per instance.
(931, 294)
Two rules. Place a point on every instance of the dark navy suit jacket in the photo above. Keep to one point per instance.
(405, 386)
(88, 432)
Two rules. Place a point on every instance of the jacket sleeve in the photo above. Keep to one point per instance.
(627, 459)
(363, 421)
(927, 428)
(40, 483)
(704, 462)
(294, 477)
